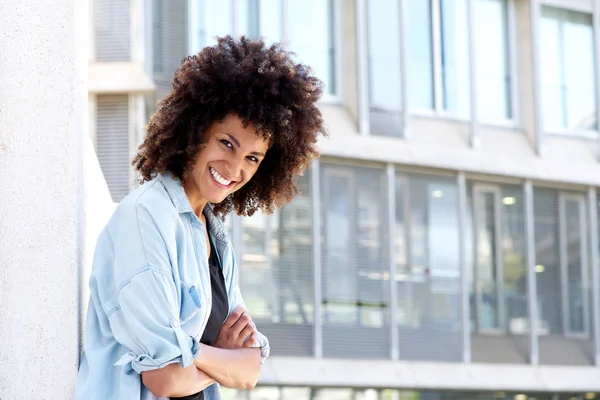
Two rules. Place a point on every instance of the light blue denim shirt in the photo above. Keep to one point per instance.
(150, 293)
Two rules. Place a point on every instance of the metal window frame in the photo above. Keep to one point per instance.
(592, 203)
(317, 268)
(596, 34)
(436, 48)
(406, 211)
(513, 55)
(391, 215)
(482, 189)
(565, 291)
(534, 17)
(362, 60)
(339, 171)
(464, 268)
(474, 118)
(193, 21)
(565, 131)
(534, 353)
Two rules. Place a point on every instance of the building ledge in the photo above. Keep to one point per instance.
(118, 77)
(297, 371)
(435, 143)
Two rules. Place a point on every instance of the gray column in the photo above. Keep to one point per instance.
(464, 268)
(43, 95)
(534, 353)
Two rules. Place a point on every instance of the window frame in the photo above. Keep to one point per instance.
(438, 80)
(477, 191)
(594, 12)
(563, 259)
(336, 98)
(331, 171)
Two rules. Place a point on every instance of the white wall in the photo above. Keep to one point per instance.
(43, 62)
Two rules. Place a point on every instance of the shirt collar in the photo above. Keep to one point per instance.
(182, 204)
(176, 192)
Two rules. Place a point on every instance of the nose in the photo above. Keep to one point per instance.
(234, 167)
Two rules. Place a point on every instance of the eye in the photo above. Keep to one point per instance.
(227, 143)
(253, 159)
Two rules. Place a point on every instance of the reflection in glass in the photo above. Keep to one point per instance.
(547, 256)
(310, 33)
(575, 247)
(487, 287)
(248, 18)
(291, 255)
(455, 56)
(354, 268)
(216, 19)
(419, 61)
(429, 286)
(255, 271)
(383, 32)
(270, 20)
(333, 394)
(513, 256)
(492, 64)
(276, 264)
(567, 70)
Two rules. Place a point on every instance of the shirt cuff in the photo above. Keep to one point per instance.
(184, 352)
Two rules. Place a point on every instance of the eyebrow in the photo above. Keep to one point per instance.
(237, 144)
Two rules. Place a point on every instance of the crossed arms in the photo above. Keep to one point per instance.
(231, 361)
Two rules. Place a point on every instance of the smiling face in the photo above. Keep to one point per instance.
(228, 160)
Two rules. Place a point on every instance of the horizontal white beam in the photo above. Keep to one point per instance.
(118, 77)
(295, 371)
(438, 143)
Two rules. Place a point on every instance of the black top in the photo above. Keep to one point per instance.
(219, 310)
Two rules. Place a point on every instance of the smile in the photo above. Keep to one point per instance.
(217, 177)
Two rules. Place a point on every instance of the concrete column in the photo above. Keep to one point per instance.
(43, 95)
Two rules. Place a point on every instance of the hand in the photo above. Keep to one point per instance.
(238, 331)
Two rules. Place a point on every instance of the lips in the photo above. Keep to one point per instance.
(219, 178)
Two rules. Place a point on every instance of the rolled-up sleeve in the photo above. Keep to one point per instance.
(145, 305)
(146, 321)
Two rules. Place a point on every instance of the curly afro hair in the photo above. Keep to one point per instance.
(263, 87)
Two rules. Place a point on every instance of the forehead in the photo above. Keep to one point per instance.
(232, 125)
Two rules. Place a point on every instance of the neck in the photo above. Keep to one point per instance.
(197, 202)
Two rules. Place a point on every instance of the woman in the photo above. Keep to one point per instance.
(166, 318)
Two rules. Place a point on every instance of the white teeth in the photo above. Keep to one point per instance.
(219, 178)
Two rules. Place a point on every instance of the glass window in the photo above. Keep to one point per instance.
(419, 62)
(112, 30)
(215, 19)
(431, 25)
(354, 246)
(561, 269)
(308, 28)
(492, 63)
(311, 27)
(437, 59)
(547, 252)
(567, 70)
(276, 273)
(574, 246)
(113, 143)
(455, 56)
(383, 27)
(428, 273)
(498, 294)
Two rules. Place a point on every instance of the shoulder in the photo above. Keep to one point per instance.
(148, 205)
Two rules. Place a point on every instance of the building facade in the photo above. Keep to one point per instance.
(445, 246)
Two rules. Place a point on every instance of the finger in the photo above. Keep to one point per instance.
(241, 324)
(250, 342)
(233, 317)
(244, 334)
